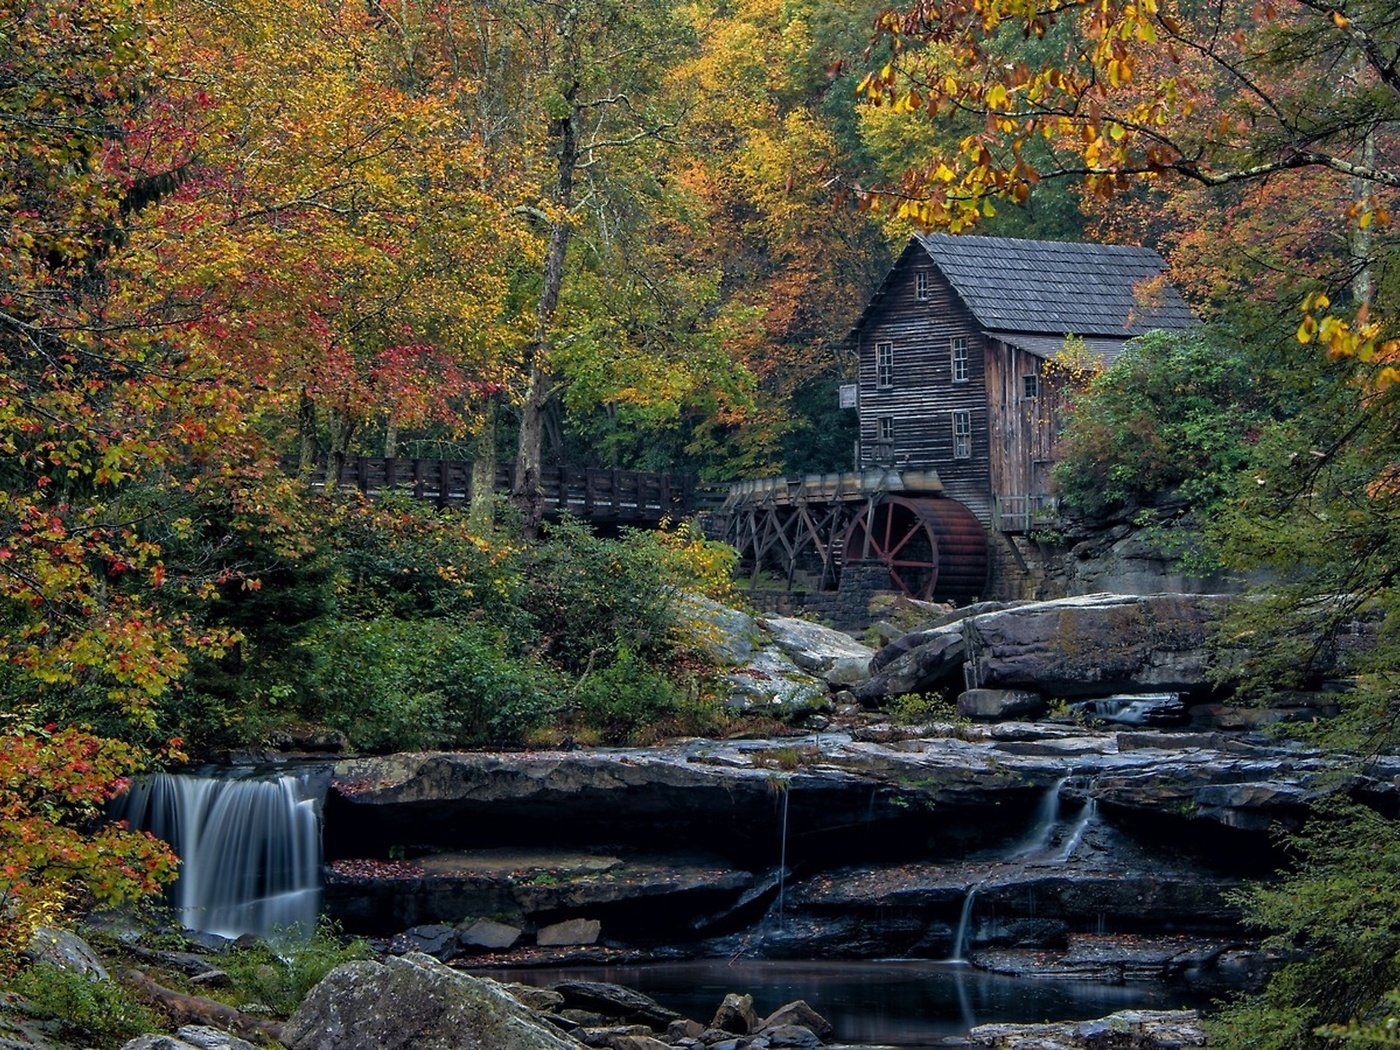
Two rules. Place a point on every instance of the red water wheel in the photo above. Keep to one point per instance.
(932, 548)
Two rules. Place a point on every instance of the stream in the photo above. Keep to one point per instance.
(895, 1002)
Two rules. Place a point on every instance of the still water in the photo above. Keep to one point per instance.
(906, 1004)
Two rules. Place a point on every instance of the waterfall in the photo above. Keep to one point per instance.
(782, 850)
(1047, 815)
(249, 848)
(1035, 847)
(1076, 835)
(960, 938)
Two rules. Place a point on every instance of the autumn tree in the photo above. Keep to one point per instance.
(1111, 95)
(770, 125)
(112, 432)
(334, 224)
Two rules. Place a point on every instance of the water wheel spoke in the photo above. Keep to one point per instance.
(909, 535)
(906, 537)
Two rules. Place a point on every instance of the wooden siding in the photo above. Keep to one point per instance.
(923, 397)
(1023, 428)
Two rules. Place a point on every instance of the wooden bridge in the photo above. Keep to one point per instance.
(604, 497)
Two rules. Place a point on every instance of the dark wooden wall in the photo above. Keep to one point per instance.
(1023, 428)
(924, 396)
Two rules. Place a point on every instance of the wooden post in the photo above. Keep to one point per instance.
(444, 482)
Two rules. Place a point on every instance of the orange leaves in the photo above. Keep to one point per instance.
(53, 782)
(1360, 337)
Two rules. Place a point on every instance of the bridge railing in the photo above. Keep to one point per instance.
(622, 496)
(1025, 513)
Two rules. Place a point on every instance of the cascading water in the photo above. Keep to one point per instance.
(250, 848)
(1034, 848)
(1076, 834)
(782, 851)
(960, 938)
(1047, 816)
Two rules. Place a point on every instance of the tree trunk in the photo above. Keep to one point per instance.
(306, 434)
(527, 495)
(482, 513)
(1361, 238)
(342, 428)
(391, 439)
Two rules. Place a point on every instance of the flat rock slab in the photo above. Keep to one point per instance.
(451, 887)
(615, 1000)
(569, 932)
(1140, 1029)
(1009, 890)
(724, 794)
(513, 861)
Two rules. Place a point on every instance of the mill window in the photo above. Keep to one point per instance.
(1030, 386)
(921, 285)
(959, 355)
(962, 434)
(884, 365)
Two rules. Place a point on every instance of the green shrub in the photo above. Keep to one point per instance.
(591, 597)
(917, 708)
(280, 976)
(625, 696)
(405, 684)
(1176, 412)
(99, 1012)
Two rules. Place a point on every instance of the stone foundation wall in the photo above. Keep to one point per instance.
(847, 609)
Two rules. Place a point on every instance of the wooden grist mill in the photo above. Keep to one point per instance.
(812, 531)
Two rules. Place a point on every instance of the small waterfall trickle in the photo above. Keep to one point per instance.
(1076, 834)
(1047, 816)
(1051, 839)
(250, 848)
(960, 944)
(782, 851)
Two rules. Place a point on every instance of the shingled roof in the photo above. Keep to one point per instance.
(1055, 288)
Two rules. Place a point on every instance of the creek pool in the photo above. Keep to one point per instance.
(895, 1003)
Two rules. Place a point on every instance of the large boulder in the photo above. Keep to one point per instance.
(1097, 644)
(65, 950)
(836, 658)
(1089, 646)
(799, 1013)
(725, 635)
(771, 684)
(922, 661)
(433, 1008)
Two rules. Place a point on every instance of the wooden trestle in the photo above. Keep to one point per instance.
(931, 546)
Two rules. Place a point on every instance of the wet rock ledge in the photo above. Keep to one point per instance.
(1022, 848)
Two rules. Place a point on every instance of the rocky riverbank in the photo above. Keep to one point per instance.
(415, 1001)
